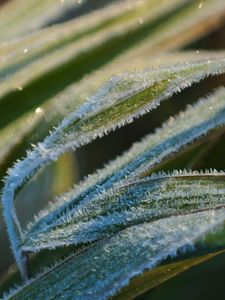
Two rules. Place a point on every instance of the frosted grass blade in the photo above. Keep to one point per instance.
(175, 135)
(103, 269)
(103, 25)
(34, 126)
(157, 197)
(12, 135)
(76, 58)
(49, 64)
(49, 61)
(120, 101)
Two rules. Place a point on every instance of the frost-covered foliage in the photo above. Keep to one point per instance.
(102, 270)
(146, 200)
(126, 210)
(142, 157)
(119, 102)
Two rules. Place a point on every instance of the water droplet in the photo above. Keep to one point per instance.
(39, 110)
(25, 50)
(141, 21)
(19, 87)
(197, 51)
(200, 5)
(210, 107)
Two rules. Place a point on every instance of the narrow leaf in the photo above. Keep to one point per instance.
(103, 269)
(69, 48)
(144, 156)
(33, 76)
(153, 198)
(35, 125)
(120, 101)
(14, 16)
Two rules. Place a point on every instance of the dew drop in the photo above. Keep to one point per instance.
(39, 110)
(19, 88)
(25, 50)
(200, 5)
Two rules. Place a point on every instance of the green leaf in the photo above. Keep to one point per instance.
(62, 55)
(35, 125)
(31, 78)
(120, 101)
(167, 142)
(14, 17)
(11, 135)
(46, 76)
(103, 269)
(14, 59)
(155, 277)
(153, 198)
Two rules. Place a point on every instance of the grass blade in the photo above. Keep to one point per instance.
(98, 273)
(71, 60)
(157, 197)
(144, 156)
(120, 101)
